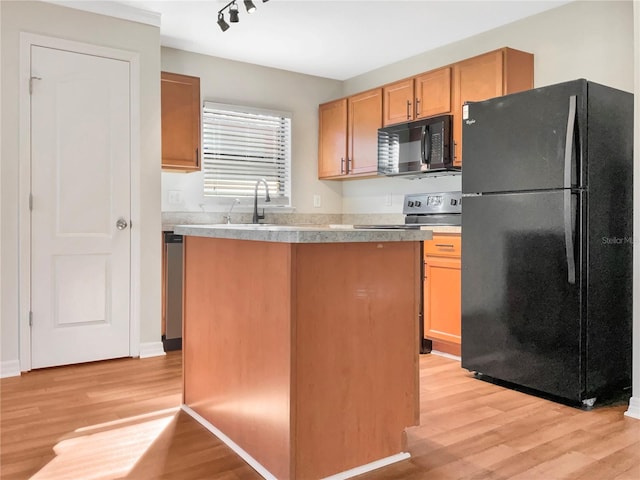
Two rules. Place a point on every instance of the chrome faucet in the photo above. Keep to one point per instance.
(233, 204)
(256, 216)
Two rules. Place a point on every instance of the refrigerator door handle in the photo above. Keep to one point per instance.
(568, 154)
(568, 145)
(568, 238)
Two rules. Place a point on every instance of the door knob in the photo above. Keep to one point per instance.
(121, 224)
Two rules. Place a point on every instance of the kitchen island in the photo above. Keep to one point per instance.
(300, 344)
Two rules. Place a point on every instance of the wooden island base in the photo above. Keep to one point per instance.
(304, 355)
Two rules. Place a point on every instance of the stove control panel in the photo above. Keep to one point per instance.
(432, 203)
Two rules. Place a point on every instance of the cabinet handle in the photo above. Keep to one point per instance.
(349, 164)
(197, 156)
(454, 150)
(408, 106)
(444, 245)
(341, 164)
(417, 107)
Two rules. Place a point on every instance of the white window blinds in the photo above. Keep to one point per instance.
(241, 145)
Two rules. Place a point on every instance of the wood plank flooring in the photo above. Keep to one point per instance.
(120, 420)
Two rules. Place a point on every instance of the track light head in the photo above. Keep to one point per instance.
(224, 26)
(233, 13)
(248, 4)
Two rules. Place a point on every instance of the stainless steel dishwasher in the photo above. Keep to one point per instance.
(172, 339)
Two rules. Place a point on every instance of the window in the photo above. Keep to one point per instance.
(243, 144)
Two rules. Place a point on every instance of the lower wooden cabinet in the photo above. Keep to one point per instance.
(442, 292)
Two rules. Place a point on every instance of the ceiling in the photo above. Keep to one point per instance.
(336, 39)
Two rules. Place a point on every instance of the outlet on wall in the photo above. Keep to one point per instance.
(175, 197)
(317, 201)
(388, 200)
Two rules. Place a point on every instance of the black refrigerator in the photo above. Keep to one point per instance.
(547, 240)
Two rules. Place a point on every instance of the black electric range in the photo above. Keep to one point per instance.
(427, 209)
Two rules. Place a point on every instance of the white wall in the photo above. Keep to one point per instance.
(583, 39)
(227, 81)
(57, 21)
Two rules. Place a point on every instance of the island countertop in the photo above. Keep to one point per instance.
(303, 233)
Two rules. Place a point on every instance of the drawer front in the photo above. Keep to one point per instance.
(443, 246)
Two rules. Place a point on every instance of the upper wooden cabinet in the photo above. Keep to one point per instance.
(486, 76)
(419, 97)
(180, 96)
(433, 93)
(348, 135)
(365, 118)
(398, 102)
(332, 139)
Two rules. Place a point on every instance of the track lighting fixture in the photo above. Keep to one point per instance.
(221, 23)
(248, 4)
(233, 12)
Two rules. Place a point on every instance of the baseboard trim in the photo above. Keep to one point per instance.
(151, 349)
(634, 408)
(445, 354)
(369, 467)
(9, 368)
(253, 463)
(257, 466)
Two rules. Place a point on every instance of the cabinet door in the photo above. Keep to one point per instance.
(332, 139)
(442, 301)
(180, 96)
(486, 76)
(365, 118)
(478, 78)
(433, 93)
(398, 102)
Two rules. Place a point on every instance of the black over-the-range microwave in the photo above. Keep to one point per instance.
(417, 147)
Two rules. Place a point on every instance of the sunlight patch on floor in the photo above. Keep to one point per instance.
(108, 450)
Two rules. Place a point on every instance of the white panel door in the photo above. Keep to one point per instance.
(80, 182)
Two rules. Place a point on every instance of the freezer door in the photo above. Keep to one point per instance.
(521, 300)
(525, 141)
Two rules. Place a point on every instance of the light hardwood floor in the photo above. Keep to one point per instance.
(120, 420)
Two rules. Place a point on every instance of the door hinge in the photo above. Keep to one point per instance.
(30, 319)
(31, 202)
(31, 79)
